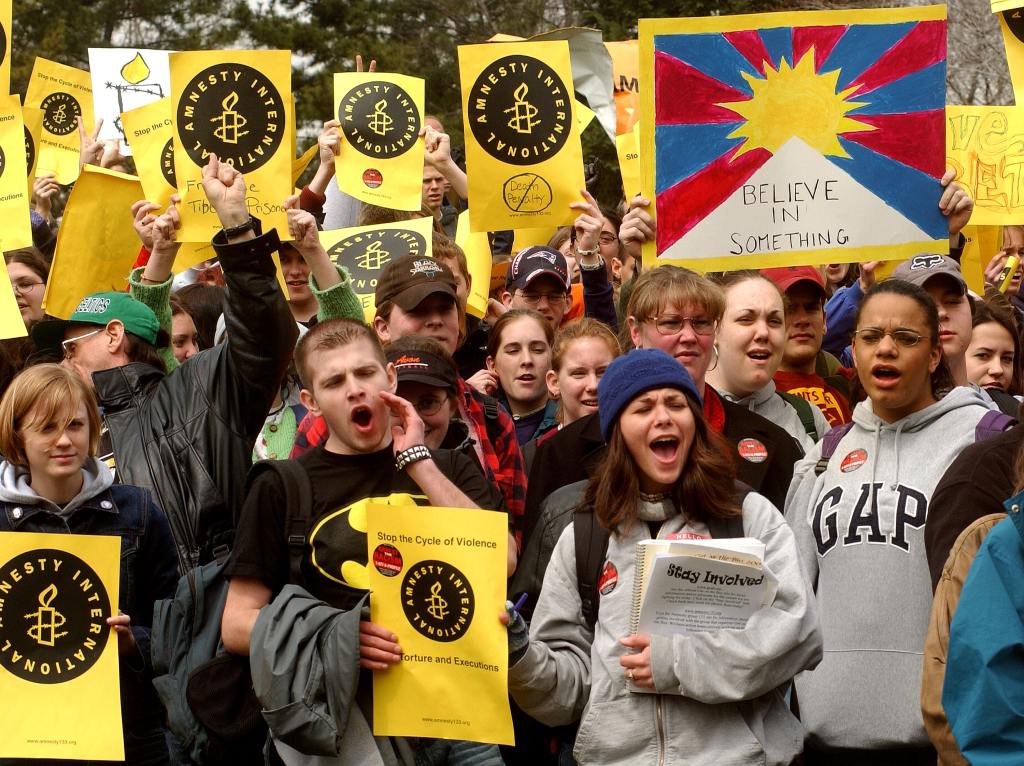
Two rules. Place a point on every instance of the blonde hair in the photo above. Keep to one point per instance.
(584, 327)
(40, 395)
(674, 286)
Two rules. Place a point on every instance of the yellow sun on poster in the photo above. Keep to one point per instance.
(796, 101)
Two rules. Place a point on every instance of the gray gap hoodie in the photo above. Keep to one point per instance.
(859, 527)
(14, 487)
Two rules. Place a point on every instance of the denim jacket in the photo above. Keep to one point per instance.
(149, 571)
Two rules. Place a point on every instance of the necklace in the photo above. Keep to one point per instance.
(655, 498)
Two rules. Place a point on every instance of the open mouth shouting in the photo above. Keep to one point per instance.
(362, 419)
(665, 449)
(885, 375)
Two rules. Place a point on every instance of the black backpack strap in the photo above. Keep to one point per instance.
(803, 411)
(829, 442)
(591, 541)
(298, 503)
(730, 526)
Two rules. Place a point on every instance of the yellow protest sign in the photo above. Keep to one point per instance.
(15, 224)
(985, 145)
(381, 159)
(584, 115)
(523, 154)
(999, 6)
(6, 14)
(366, 250)
(150, 130)
(58, 657)
(64, 94)
(11, 323)
(1011, 24)
(299, 164)
(627, 146)
(96, 242)
(804, 138)
(33, 119)
(523, 238)
(626, 83)
(233, 104)
(437, 580)
(478, 258)
(982, 243)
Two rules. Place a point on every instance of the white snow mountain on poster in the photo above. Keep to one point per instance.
(124, 79)
(797, 200)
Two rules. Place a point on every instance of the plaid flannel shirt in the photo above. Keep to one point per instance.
(502, 459)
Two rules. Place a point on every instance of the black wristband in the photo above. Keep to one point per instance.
(411, 455)
(236, 231)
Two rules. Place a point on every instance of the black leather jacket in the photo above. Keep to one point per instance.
(187, 437)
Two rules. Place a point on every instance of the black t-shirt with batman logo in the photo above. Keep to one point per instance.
(335, 564)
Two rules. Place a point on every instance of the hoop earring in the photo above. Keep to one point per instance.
(715, 349)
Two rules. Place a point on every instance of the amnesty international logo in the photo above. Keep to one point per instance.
(53, 611)
(520, 111)
(233, 111)
(379, 119)
(365, 254)
(30, 150)
(167, 163)
(60, 113)
(438, 600)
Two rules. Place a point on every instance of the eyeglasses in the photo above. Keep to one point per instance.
(872, 336)
(23, 286)
(70, 346)
(673, 325)
(534, 299)
(607, 239)
(428, 405)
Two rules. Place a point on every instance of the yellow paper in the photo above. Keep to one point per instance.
(584, 115)
(33, 119)
(233, 104)
(192, 253)
(381, 158)
(1011, 24)
(985, 145)
(478, 258)
(300, 164)
(523, 153)
(365, 250)
(626, 83)
(627, 146)
(1005, 5)
(15, 224)
(982, 243)
(523, 238)
(96, 243)
(11, 323)
(150, 131)
(58, 658)
(738, 201)
(6, 13)
(64, 94)
(437, 580)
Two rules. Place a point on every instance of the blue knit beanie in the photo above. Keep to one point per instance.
(630, 375)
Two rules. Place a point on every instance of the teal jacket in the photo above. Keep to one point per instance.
(983, 694)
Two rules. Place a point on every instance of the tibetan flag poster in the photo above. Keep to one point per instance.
(381, 158)
(150, 130)
(64, 94)
(233, 104)
(807, 137)
(437, 581)
(58, 656)
(364, 251)
(15, 224)
(124, 79)
(985, 145)
(524, 159)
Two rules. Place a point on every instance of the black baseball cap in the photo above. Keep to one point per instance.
(408, 280)
(422, 367)
(534, 262)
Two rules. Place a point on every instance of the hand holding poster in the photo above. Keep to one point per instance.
(381, 158)
(58, 657)
(365, 250)
(437, 581)
(64, 94)
(808, 137)
(523, 154)
(233, 104)
(985, 145)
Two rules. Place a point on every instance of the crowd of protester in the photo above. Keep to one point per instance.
(864, 430)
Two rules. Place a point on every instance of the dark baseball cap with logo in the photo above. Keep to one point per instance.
(422, 367)
(100, 309)
(409, 280)
(534, 262)
(923, 268)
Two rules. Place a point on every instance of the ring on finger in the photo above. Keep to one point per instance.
(629, 675)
